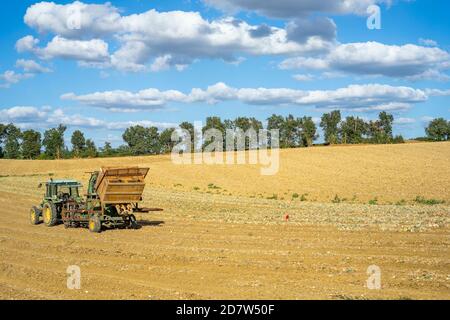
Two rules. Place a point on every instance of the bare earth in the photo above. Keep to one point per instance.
(231, 242)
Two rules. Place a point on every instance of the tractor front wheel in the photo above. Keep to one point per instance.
(34, 216)
(50, 214)
(95, 225)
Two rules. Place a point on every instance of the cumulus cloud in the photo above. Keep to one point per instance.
(295, 8)
(11, 77)
(300, 30)
(359, 98)
(428, 42)
(94, 50)
(373, 58)
(154, 36)
(32, 117)
(31, 66)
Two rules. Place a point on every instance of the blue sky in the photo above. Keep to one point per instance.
(102, 67)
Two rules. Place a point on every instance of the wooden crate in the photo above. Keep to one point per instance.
(121, 185)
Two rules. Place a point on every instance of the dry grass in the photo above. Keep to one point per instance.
(358, 174)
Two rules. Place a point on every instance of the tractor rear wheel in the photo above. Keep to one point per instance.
(95, 225)
(50, 214)
(34, 216)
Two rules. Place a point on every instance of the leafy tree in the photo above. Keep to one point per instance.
(244, 124)
(189, 127)
(386, 122)
(165, 141)
(31, 144)
(2, 136)
(78, 143)
(330, 125)
(12, 144)
(91, 149)
(308, 131)
(352, 130)
(398, 139)
(290, 133)
(142, 140)
(438, 130)
(107, 150)
(54, 142)
(214, 123)
(276, 122)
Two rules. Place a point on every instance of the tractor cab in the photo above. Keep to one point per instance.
(60, 191)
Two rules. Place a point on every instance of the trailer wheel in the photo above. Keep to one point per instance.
(34, 216)
(95, 225)
(50, 214)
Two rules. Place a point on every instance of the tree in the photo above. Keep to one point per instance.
(189, 127)
(245, 124)
(214, 123)
(54, 141)
(12, 136)
(352, 130)
(142, 140)
(276, 122)
(330, 126)
(31, 144)
(290, 133)
(91, 149)
(165, 141)
(308, 131)
(2, 134)
(107, 150)
(386, 123)
(438, 130)
(78, 143)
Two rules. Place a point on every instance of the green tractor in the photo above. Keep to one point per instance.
(57, 194)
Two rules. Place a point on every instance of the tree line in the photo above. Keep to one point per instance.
(293, 133)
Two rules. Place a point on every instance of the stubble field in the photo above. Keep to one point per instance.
(222, 234)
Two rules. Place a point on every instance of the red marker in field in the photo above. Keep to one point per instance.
(286, 218)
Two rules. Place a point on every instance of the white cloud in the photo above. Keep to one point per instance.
(373, 58)
(303, 77)
(294, 8)
(142, 38)
(26, 44)
(404, 121)
(32, 117)
(360, 98)
(31, 66)
(21, 113)
(428, 42)
(94, 50)
(438, 92)
(11, 77)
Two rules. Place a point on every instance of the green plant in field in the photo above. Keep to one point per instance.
(373, 202)
(274, 197)
(401, 202)
(429, 202)
(213, 186)
(196, 188)
(295, 196)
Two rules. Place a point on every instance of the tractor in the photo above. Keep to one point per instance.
(112, 199)
(57, 194)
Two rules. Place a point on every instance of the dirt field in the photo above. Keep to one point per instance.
(220, 237)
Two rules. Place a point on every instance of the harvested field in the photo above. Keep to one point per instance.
(221, 237)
